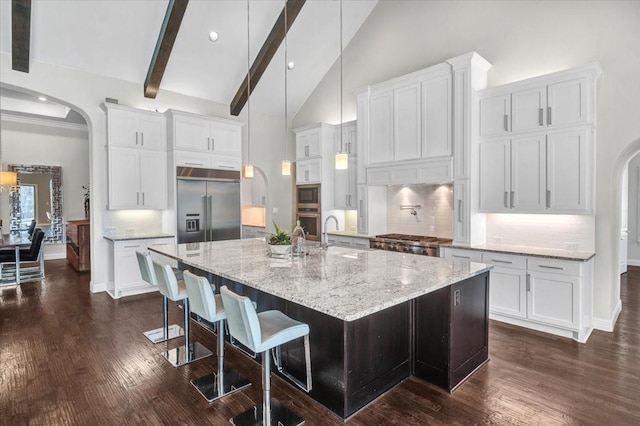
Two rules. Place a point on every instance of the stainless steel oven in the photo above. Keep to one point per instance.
(310, 222)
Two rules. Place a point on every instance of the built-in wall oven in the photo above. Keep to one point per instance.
(308, 210)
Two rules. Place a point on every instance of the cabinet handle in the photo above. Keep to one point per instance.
(557, 268)
(461, 257)
(136, 138)
(143, 198)
(540, 112)
(142, 138)
(222, 166)
(460, 211)
(306, 175)
(360, 207)
(208, 143)
(346, 200)
(501, 261)
(194, 164)
(528, 282)
(134, 246)
(306, 150)
(264, 200)
(512, 197)
(548, 199)
(549, 116)
(506, 122)
(213, 144)
(137, 198)
(506, 199)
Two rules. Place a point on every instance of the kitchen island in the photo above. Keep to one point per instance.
(376, 317)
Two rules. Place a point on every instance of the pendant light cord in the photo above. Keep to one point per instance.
(341, 132)
(286, 67)
(248, 90)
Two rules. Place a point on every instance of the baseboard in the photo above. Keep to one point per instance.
(608, 324)
(97, 287)
(633, 262)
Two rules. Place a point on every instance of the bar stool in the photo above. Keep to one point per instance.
(167, 332)
(208, 305)
(175, 290)
(264, 332)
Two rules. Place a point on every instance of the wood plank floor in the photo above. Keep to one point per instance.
(69, 357)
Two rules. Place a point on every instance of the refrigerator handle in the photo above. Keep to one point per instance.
(205, 219)
(210, 219)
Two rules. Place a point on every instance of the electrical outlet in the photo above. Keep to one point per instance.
(275, 210)
(111, 230)
(497, 240)
(571, 246)
(456, 297)
(130, 231)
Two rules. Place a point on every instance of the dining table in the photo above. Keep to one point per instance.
(13, 242)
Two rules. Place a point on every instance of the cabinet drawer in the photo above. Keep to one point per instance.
(192, 159)
(553, 266)
(361, 243)
(505, 260)
(461, 254)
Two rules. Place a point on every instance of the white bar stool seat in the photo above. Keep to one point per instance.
(208, 306)
(176, 290)
(166, 332)
(263, 333)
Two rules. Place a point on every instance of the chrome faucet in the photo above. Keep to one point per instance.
(324, 242)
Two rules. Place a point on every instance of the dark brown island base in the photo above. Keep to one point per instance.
(440, 335)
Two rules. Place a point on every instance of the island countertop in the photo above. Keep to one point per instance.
(344, 283)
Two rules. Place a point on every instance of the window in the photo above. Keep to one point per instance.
(28, 204)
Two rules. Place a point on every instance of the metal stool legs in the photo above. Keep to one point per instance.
(190, 352)
(166, 332)
(227, 381)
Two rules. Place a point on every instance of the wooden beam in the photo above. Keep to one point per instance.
(20, 34)
(267, 52)
(166, 38)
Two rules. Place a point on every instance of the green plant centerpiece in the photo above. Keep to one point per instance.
(279, 242)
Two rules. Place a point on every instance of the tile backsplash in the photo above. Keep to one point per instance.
(126, 222)
(434, 216)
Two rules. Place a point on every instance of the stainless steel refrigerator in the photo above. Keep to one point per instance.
(208, 205)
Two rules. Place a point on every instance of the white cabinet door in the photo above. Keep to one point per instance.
(407, 137)
(309, 171)
(567, 171)
(461, 211)
(153, 132)
(567, 102)
(494, 115)
(308, 144)
(436, 117)
(153, 180)
(554, 299)
(345, 186)
(352, 139)
(124, 178)
(528, 174)
(122, 128)
(127, 271)
(226, 161)
(192, 159)
(225, 139)
(528, 107)
(508, 293)
(192, 134)
(381, 128)
(495, 175)
(349, 138)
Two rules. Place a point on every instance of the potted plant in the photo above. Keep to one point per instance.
(87, 195)
(280, 241)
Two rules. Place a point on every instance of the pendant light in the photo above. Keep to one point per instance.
(247, 170)
(285, 166)
(342, 158)
(7, 179)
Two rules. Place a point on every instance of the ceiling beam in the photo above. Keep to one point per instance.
(267, 52)
(166, 38)
(20, 34)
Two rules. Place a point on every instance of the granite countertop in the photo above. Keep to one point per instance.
(344, 283)
(348, 234)
(581, 256)
(126, 237)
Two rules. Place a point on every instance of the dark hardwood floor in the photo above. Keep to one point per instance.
(69, 357)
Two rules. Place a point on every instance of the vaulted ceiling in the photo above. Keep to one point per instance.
(117, 38)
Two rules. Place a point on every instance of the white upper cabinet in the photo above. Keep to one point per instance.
(436, 117)
(133, 128)
(381, 127)
(197, 133)
(308, 143)
(494, 115)
(529, 109)
(569, 166)
(406, 123)
(137, 179)
(528, 174)
(349, 137)
(566, 102)
(309, 171)
(495, 176)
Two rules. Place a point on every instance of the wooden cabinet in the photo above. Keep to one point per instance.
(137, 179)
(126, 279)
(79, 244)
(133, 128)
(550, 295)
(193, 132)
(537, 174)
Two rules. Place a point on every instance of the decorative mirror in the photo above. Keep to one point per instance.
(38, 196)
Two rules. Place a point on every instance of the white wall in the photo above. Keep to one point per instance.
(24, 143)
(521, 39)
(633, 241)
(84, 92)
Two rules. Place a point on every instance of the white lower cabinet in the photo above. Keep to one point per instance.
(124, 272)
(348, 241)
(550, 295)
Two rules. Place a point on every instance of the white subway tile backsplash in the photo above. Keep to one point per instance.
(434, 217)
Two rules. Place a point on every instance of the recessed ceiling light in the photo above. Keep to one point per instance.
(213, 36)
(42, 98)
(291, 65)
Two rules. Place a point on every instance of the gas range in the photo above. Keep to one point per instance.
(404, 243)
